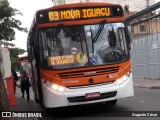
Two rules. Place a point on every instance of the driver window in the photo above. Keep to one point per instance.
(122, 39)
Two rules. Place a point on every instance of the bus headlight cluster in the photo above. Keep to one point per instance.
(55, 87)
(123, 78)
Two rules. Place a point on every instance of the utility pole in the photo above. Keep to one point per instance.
(61, 2)
(147, 3)
(58, 2)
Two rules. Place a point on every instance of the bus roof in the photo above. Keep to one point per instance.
(23, 57)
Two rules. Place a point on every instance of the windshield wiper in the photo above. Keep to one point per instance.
(99, 31)
(94, 40)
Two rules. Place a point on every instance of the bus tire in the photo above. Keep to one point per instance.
(53, 111)
(111, 103)
(42, 101)
(48, 110)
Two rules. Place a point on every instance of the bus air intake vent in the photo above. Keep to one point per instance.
(86, 73)
(89, 85)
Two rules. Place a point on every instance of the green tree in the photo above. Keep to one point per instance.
(8, 24)
(14, 52)
(7, 44)
(126, 8)
(7, 21)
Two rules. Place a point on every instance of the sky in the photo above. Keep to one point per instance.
(28, 9)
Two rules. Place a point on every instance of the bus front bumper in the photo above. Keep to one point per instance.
(53, 99)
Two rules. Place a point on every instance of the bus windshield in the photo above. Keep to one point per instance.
(65, 47)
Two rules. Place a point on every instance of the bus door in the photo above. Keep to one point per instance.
(34, 77)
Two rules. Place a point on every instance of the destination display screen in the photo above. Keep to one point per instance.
(47, 16)
(79, 13)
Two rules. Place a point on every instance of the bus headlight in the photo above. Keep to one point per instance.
(55, 87)
(60, 88)
(123, 79)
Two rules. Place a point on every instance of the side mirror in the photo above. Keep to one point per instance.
(130, 34)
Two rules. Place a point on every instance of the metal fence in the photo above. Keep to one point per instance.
(145, 53)
(145, 56)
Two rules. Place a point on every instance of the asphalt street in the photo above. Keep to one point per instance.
(144, 100)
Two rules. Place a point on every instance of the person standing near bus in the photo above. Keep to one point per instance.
(25, 85)
(15, 79)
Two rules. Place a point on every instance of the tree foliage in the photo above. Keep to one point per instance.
(7, 21)
(126, 8)
(7, 44)
(8, 24)
(14, 52)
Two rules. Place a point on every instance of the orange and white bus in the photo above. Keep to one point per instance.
(80, 54)
(24, 65)
(23, 59)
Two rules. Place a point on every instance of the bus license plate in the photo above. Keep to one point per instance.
(93, 95)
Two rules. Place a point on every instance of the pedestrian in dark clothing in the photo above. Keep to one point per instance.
(25, 85)
(15, 79)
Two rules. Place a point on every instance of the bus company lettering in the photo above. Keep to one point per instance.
(70, 81)
(59, 60)
(79, 13)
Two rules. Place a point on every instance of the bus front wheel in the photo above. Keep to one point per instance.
(111, 103)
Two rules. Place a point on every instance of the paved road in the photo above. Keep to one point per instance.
(145, 99)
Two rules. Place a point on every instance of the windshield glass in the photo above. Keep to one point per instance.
(81, 46)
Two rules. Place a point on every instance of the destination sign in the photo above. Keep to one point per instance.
(79, 13)
(60, 60)
(47, 16)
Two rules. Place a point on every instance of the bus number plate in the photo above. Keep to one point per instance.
(93, 95)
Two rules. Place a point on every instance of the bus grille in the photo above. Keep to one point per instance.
(86, 73)
(89, 85)
(84, 99)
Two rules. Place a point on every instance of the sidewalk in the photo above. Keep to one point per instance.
(22, 105)
(148, 83)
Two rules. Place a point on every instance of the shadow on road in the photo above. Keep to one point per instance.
(91, 110)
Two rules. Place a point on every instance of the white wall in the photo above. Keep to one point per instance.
(5, 63)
